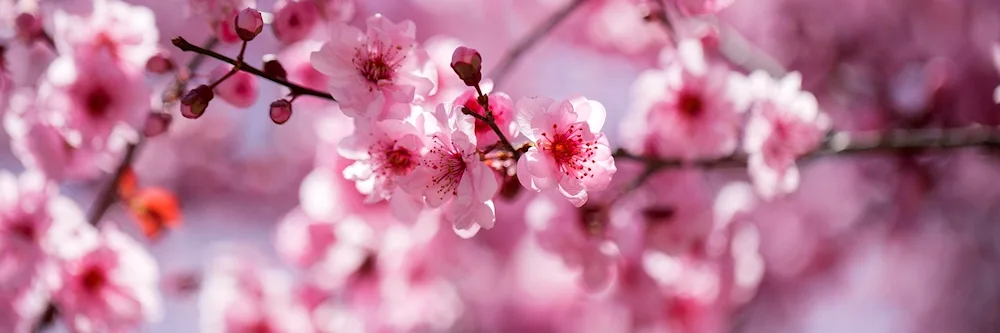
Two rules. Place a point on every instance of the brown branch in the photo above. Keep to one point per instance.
(295, 89)
(843, 143)
(500, 72)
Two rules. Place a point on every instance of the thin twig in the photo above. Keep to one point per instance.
(500, 72)
(843, 143)
(295, 89)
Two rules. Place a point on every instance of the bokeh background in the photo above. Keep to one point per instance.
(881, 242)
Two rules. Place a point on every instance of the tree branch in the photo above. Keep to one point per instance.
(500, 72)
(295, 89)
(843, 143)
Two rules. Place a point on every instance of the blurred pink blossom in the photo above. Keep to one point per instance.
(240, 89)
(108, 284)
(294, 20)
(125, 32)
(685, 111)
(785, 123)
(503, 112)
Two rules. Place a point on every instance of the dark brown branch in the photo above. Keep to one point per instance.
(500, 72)
(295, 89)
(843, 143)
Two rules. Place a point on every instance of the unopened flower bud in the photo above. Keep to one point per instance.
(159, 63)
(28, 26)
(273, 68)
(249, 24)
(281, 111)
(467, 63)
(195, 101)
(156, 124)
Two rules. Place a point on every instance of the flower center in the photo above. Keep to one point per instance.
(393, 160)
(449, 166)
(690, 104)
(98, 102)
(93, 279)
(569, 150)
(378, 62)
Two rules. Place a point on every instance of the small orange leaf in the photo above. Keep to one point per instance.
(127, 184)
(155, 210)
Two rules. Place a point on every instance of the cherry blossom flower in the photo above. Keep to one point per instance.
(686, 111)
(503, 113)
(383, 152)
(452, 174)
(42, 146)
(241, 294)
(109, 284)
(569, 152)
(574, 234)
(88, 95)
(785, 123)
(371, 72)
(240, 89)
(33, 218)
(335, 249)
(127, 32)
(294, 20)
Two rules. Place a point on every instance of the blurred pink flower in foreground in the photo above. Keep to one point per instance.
(42, 146)
(371, 72)
(87, 95)
(785, 123)
(126, 32)
(570, 152)
(685, 111)
(451, 174)
(108, 284)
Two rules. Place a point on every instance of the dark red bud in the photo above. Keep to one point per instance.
(195, 101)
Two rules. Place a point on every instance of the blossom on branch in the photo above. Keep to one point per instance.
(686, 111)
(785, 124)
(370, 73)
(383, 153)
(569, 150)
(451, 174)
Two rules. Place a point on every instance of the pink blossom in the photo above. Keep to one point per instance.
(240, 89)
(785, 123)
(126, 32)
(452, 174)
(337, 10)
(294, 20)
(41, 146)
(370, 72)
(88, 95)
(569, 150)
(33, 217)
(383, 152)
(108, 285)
(577, 235)
(503, 113)
(685, 111)
(242, 294)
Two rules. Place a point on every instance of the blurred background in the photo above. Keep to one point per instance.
(899, 241)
